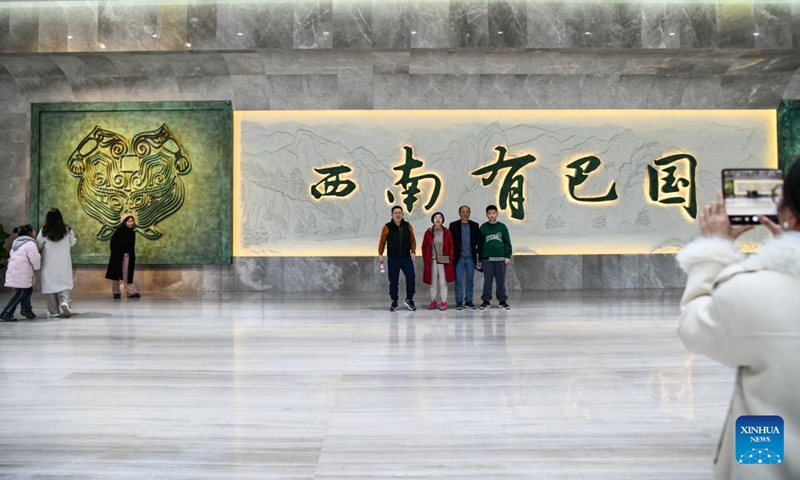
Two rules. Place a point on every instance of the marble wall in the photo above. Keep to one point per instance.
(343, 78)
(85, 26)
(361, 274)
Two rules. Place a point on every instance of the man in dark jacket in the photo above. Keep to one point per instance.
(468, 244)
(398, 235)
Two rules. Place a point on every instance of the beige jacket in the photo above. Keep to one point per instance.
(745, 313)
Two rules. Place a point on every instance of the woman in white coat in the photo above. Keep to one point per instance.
(55, 241)
(745, 313)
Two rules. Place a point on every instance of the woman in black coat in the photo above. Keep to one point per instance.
(123, 257)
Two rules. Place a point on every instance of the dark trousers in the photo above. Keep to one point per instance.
(22, 296)
(494, 271)
(407, 266)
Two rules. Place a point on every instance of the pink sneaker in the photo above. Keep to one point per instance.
(432, 306)
(443, 306)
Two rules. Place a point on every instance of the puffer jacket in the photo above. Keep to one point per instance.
(24, 260)
(743, 313)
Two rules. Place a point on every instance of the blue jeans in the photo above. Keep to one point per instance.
(22, 296)
(465, 268)
(407, 266)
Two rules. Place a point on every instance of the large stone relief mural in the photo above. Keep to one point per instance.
(624, 181)
(167, 163)
(141, 177)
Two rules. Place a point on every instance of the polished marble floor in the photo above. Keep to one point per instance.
(566, 385)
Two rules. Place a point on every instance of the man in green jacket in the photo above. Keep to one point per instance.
(496, 256)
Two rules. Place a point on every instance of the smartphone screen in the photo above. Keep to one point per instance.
(750, 192)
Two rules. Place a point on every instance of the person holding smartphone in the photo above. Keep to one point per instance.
(742, 311)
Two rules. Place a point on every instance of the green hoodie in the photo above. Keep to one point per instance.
(497, 245)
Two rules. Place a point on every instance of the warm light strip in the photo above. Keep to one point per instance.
(576, 118)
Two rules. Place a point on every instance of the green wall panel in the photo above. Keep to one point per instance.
(168, 163)
(788, 133)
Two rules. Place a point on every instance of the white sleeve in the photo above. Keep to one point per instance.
(701, 328)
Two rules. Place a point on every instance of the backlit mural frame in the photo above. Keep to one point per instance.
(321, 183)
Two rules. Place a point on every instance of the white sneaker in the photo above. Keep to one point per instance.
(65, 312)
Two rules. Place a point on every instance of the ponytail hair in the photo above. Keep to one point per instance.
(26, 229)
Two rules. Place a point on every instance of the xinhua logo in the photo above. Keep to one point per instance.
(759, 440)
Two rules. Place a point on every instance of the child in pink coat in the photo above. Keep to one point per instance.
(24, 260)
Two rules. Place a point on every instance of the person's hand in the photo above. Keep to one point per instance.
(508, 260)
(413, 257)
(380, 258)
(773, 227)
(714, 222)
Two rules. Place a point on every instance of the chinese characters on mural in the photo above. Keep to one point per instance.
(582, 167)
(332, 185)
(411, 184)
(674, 189)
(512, 189)
(671, 181)
(141, 177)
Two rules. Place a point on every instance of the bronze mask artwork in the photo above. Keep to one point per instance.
(142, 178)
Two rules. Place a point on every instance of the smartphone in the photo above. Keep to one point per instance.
(750, 192)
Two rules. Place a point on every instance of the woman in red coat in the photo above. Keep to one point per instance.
(437, 256)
